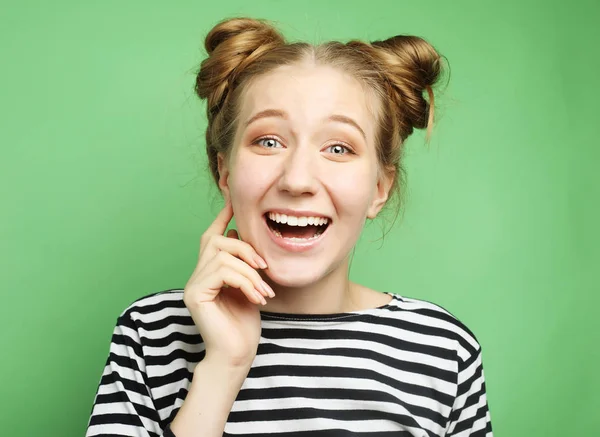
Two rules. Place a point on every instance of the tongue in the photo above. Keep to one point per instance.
(297, 231)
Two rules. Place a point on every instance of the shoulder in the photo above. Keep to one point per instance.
(157, 301)
(433, 320)
(156, 311)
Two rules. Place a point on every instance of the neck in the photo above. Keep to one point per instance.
(334, 293)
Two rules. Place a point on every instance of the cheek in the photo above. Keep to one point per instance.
(247, 186)
(353, 191)
(245, 179)
(247, 183)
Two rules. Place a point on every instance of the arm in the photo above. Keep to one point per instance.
(470, 416)
(207, 405)
(123, 405)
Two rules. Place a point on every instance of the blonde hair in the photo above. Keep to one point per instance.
(399, 70)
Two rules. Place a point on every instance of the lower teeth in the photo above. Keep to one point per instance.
(314, 237)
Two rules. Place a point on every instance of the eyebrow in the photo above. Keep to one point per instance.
(267, 113)
(347, 120)
(281, 114)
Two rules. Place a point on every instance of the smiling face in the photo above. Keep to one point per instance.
(303, 174)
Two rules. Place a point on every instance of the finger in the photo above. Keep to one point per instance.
(219, 225)
(196, 294)
(210, 284)
(229, 276)
(226, 259)
(258, 261)
(216, 229)
(240, 249)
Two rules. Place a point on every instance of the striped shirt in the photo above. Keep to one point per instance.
(408, 368)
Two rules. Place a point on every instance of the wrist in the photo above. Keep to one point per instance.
(219, 368)
(229, 364)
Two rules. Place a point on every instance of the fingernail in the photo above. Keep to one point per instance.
(261, 262)
(268, 289)
(261, 297)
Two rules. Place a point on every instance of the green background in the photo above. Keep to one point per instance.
(104, 193)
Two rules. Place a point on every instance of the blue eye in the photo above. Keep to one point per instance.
(339, 149)
(269, 143)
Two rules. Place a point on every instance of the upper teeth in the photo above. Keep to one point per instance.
(297, 221)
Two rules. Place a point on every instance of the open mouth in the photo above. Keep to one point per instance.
(296, 228)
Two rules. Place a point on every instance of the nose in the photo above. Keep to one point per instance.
(298, 173)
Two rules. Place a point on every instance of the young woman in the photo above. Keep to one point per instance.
(269, 336)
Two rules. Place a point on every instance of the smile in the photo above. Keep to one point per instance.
(296, 232)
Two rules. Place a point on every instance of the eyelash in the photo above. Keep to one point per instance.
(347, 148)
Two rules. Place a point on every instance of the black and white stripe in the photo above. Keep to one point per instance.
(408, 368)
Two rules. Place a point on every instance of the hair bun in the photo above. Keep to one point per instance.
(255, 33)
(412, 66)
(232, 45)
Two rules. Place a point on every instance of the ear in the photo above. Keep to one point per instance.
(223, 168)
(382, 190)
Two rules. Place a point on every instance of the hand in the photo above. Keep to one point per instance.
(223, 292)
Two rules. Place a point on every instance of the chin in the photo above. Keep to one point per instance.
(299, 273)
(293, 276)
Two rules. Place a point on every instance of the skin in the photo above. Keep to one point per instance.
(299, 171)
(309, 162)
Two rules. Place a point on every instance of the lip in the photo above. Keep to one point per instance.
(294, 246)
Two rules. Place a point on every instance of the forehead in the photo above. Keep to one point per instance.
(310, 93)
